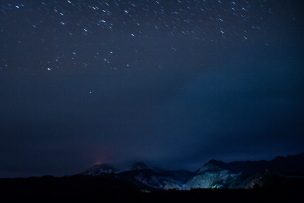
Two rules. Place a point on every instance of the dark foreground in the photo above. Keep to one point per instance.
(102, 189)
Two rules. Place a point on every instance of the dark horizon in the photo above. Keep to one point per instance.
(127, 165)
(171, 83)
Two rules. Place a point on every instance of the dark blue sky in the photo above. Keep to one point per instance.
(173, 83)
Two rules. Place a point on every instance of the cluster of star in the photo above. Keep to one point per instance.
(82, 33)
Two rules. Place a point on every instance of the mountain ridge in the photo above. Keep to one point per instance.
(213, 174)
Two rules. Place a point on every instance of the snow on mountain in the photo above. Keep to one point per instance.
(156, 178)
(216, 174)
(213, 174)
(215, 179)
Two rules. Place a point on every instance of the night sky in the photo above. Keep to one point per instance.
(170, 82)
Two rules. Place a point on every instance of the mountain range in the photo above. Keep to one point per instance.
(213, 174)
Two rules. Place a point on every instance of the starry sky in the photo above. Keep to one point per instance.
(170, 82)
